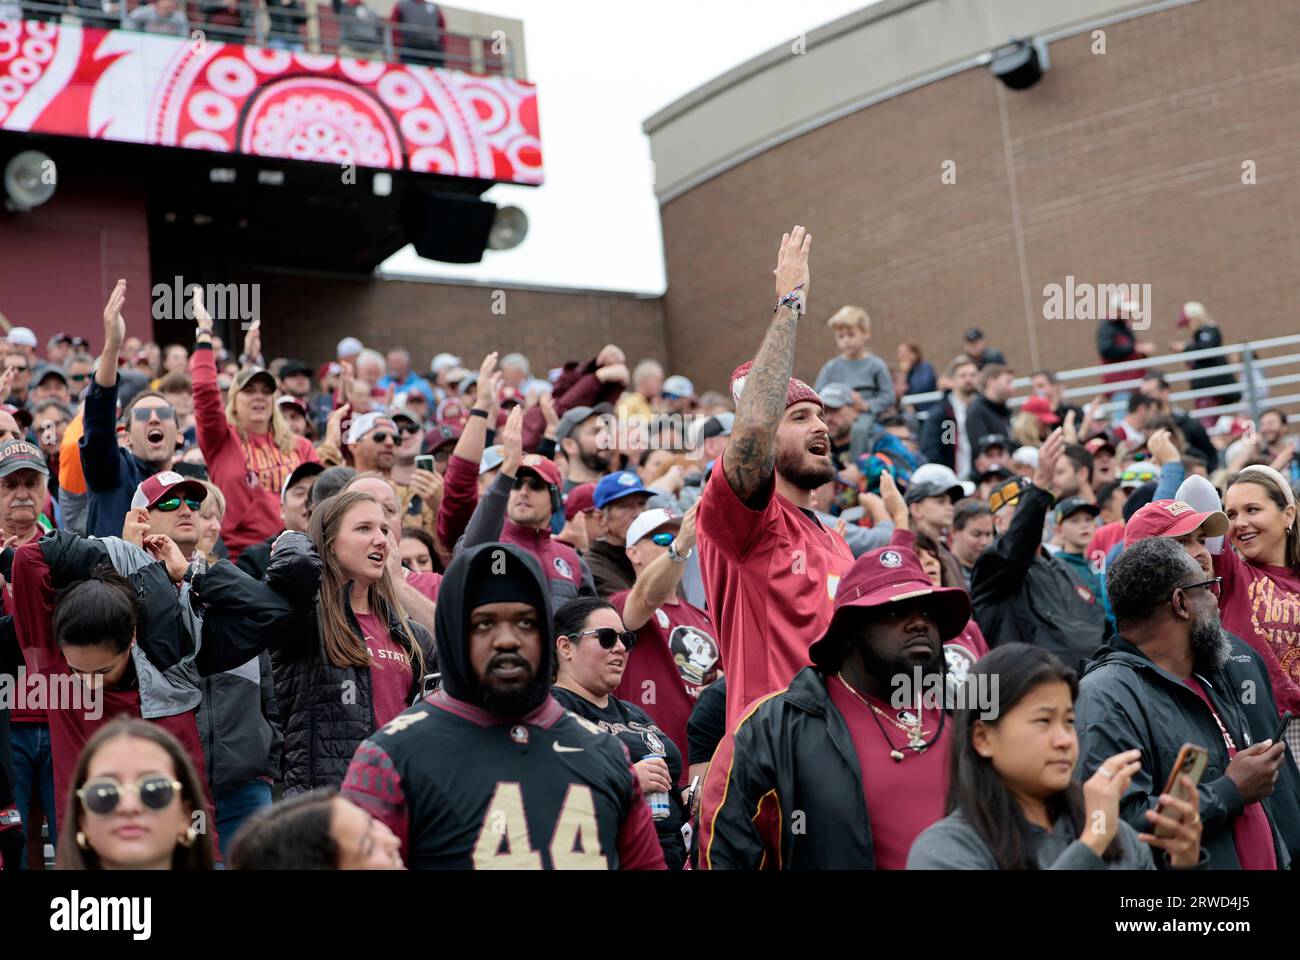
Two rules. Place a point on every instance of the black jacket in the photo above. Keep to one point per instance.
(984, 417)
(790, 754)
(327, 710)
(934, 447)
(1021, 594)
(255, 558)
(1127, 701)
(239, 725)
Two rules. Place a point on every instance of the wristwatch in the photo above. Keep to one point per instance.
(676, 557)
(194, 573)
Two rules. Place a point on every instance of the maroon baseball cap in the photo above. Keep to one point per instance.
(580, 499)
(1040, 408)
(1173, 518)
(20, 414)
(544, 468)
(888, 575)
(444, 434)
(164, 484)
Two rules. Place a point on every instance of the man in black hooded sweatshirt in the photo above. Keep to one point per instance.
(489, 772)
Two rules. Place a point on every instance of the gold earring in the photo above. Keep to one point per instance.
(81, 841)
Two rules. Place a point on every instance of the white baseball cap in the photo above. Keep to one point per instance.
(21, 337)
(442, 361)
(365, 423)
(348, 347)
(1026, 457)
(648, 521)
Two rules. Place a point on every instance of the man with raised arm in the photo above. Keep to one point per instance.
(770, 568)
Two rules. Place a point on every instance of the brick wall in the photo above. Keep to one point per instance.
(1127, 167)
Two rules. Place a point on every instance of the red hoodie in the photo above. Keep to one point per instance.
(249, 471)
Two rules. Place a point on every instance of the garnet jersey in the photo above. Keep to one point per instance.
(466, 789)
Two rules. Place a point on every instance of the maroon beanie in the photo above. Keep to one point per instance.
(797, 392)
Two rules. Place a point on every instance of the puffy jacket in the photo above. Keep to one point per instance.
(1023, 595)
(1127, 701)
(565, 571)
(239, 725)
(790, 751)
(327, 710)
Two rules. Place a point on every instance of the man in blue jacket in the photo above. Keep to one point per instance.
(112, 471)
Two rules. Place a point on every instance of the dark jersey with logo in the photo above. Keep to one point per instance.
(639, 734)
(465, 789)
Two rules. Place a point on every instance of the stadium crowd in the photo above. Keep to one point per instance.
(356, 615)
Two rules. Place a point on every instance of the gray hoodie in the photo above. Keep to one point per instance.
(954, 844)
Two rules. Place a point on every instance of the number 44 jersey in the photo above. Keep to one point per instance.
(466, 789)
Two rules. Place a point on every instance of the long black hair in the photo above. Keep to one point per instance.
(975, 788)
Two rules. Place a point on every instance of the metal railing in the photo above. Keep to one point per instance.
(1252, 381)
(351, 29)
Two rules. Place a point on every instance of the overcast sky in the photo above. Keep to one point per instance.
(601, 69)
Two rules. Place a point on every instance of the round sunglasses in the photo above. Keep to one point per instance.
(103, 794)
(608, 636)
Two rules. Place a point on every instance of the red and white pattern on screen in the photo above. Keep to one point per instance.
(140, 88)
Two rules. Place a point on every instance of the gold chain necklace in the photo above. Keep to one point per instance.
(915, 736)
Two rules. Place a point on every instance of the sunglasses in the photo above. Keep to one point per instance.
(1214, 585)
(102, 796)
(409, 429)
(535, 484)
(167, 506)
(662, 539)
(79, 377)
(165, 412)
(19, 369)
(1137, 475)
(1008, 494)
(383, 436)
(608, 636)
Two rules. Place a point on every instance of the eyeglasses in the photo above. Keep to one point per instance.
(382, 436)
(608, 636)
(19, 369)
(165, 412)
(1214, 584)
(167, 506)
(535, 484)
(410, 429)
(101, 796)
(662, 539)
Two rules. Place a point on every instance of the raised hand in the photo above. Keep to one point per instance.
(136, 526)
(163, 549)
(253, 342)
(1161, 447)
(1101, 796)
(610, 355)
(202, 319)
(893, 501)
(334, 426)
(512, 439)
(685, 539)
(547, 402)
(1048, 454)
(792, 261)
(114, 325)
(1184, 819)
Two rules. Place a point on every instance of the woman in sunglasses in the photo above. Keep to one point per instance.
(1012, 801)
(137, 804)
(592, 646)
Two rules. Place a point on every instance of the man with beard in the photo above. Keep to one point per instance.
(583, 437)
(1073, 476)
(770, 568)
(113, 472)
(490, 772)
(1159, 684)
(852, 735)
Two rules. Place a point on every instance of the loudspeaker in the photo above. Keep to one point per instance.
(1018, 65)
(452, 228)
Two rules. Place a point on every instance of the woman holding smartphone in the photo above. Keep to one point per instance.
(1012, 801)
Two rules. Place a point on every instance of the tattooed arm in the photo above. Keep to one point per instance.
(750, 457)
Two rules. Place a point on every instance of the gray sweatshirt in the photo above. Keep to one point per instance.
(869, 376)
(954, 844)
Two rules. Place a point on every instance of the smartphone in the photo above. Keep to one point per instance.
(431, 683)
(1191, 762)
(1281, 727)
(425, 462)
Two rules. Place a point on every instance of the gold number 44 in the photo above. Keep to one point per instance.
(504, 844)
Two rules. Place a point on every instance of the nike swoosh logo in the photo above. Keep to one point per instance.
(561, 749)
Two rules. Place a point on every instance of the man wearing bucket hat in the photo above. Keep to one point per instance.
(770, 567)
(850, 733)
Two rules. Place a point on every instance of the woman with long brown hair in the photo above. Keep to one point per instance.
(1260, 599)
(137, 803)
(354, 659)
(248, 447)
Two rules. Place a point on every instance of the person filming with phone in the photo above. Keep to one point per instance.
(1158, 686)
(1012, 804)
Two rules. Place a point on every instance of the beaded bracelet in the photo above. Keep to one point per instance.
(795, 300)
